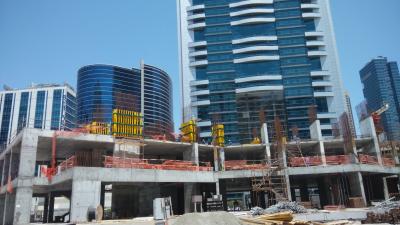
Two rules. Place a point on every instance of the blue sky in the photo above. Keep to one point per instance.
(47, 41)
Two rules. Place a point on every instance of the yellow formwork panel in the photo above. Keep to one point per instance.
(127, 123)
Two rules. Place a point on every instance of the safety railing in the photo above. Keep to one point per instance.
(245, 165)
(305, 161)
(157, 164)
(368, 159)
(339, 159)
(389, 162)
(67, 164)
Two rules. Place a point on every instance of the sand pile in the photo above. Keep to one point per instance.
(208, 218)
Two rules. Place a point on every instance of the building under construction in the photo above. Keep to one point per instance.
(58, 176)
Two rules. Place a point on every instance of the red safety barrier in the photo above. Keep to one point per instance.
(159, 164)
(338, 159)
(389, 162)
(244, 165)
(305, 161)
(367, 159)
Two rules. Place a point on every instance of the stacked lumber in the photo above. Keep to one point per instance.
(282, 218)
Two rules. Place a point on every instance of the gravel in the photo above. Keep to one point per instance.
(208, 218)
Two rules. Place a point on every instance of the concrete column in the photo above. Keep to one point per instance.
(289, 192)
(367, 128)
(85, 195)
(216, 161)
(385, 188)
(357, 186)
(189, 189)
(23, 199)
(316, 134)
(192, 154)
(9, 210)
(265, 140)
(2, 205)
(26, 173)
(222, 158)
(286, 173)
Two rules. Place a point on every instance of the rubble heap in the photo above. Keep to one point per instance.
(392, 217)
(280, 207)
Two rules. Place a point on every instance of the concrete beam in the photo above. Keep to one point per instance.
(142, 175)
(349, 168)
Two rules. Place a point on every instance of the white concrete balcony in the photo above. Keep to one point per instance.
(326, 127)
(260, 88)
(255, 49)
(195, 26)
(199, 63)
(251, 2)
(315, 43)
(195, 7)
(314, 34)
(196, 16)
(254, 39)
(258, 58)
(310, 6)
(324, 94)
(328, 115)
(317, 53)
(311, 15)
(194, 83)
(197, 53)
(258, 78)
(322, 84)
(205, 134)
(197, 44)
(252, 21)
(203, 123)
(199, 103)
(319, 73)
(201, 92)
(251, 12)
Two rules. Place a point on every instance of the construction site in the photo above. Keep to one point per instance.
(111, 172)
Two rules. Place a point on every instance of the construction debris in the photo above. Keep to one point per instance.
(209, 218)
(286, 206)
(274, 219)
(392, 217)
(293, 207)
(257, 211)
(386, 206)
(385, 212)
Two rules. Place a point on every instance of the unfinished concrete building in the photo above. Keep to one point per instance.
(95, 170)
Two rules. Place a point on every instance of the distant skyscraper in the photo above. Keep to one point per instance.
(349, 110)
(381, 84)
(51, 107)
(242, 59)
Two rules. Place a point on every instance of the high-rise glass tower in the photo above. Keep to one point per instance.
(243, 62)
(381, 85)
(42, 106)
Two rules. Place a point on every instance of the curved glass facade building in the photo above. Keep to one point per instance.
(102, 88)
